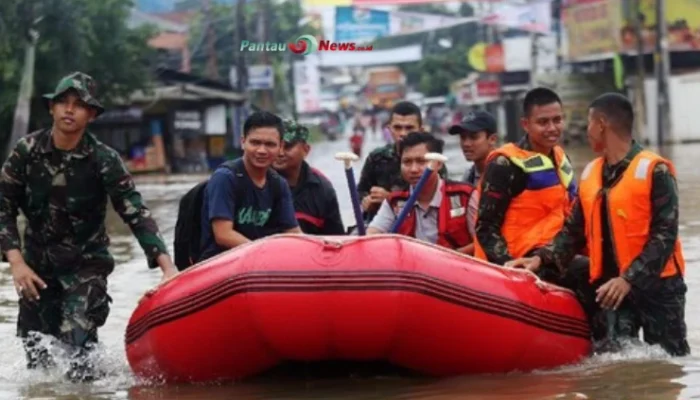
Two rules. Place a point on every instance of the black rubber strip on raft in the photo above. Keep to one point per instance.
(313, 281)
(489, 303)
(354, 276)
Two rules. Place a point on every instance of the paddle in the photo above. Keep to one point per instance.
(433, 163)
(348, 158)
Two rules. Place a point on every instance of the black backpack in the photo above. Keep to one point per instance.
(188, 228)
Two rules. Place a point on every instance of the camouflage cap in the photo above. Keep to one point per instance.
(83, 84)
(295, 132)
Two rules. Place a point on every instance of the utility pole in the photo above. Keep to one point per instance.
(557, 4)
(263, 33)
(291, 89)
(290, 59)
(239, 35)
(639, 87)
(490, 29)
(239, 110)
(212, 69)
(533, 59)
(20, 124)
(662, 67)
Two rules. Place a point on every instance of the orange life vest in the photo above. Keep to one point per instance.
(537, 214)
(629, 214)
(452, 215)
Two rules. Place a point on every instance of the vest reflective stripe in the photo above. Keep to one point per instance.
(542, 173)
(629, 214)
(537, 214)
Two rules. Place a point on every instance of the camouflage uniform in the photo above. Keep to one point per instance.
(63, 195)
(503, 181)
(383, 168)
(655, 304)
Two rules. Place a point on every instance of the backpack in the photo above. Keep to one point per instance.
(188, 228)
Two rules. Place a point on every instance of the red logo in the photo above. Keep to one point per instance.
(298, 47)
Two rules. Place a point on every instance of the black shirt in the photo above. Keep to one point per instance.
(316, 204)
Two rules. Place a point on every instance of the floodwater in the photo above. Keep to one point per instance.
(637, 373)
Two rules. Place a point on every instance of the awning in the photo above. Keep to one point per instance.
(131, 115)
(184, 92)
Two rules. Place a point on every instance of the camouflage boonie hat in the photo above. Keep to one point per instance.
(83, 84)
(295, 132)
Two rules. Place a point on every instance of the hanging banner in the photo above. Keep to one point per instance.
(408, 22)
(683, 24)
(360, 24)
(366, 3)
(307, 85)
(531, 17)
(593, 29)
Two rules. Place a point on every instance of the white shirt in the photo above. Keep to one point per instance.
(426, 219)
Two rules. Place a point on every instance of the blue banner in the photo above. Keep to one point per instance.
(360, 24)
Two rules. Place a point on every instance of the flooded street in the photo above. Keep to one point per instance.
(637, 373)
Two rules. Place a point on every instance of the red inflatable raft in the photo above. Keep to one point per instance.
(390, 298)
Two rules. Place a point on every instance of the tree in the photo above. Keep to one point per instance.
(282, 28)
(466, 10)
(85, 35)
(439, 67)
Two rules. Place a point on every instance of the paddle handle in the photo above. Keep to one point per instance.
(413, 197)
(355, 199)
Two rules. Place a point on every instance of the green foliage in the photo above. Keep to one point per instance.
(439, 67)
(282, 20)
(86, 35)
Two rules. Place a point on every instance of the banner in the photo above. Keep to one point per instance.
(518, 53)
(533, 17)
(408, 22)
(683, 22)
(394, 56)
(307, 85)
(360, 24)
(592, 28)
(367, 3)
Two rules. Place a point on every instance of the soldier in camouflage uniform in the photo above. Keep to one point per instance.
(381, 173)
(60, 178)
(637, 264)
(527, 189)
(315, 199)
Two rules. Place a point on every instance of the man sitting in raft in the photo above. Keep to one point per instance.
(381, 172)
(627, 215)
(527, 190)
(315, 200)
(248, 200)
(478, 135)
(440, 212)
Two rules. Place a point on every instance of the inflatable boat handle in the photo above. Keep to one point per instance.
(434, 160)
(348, 158)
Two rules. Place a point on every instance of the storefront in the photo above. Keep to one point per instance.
(178, 127)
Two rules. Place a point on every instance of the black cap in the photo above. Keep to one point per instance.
(474, 122)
